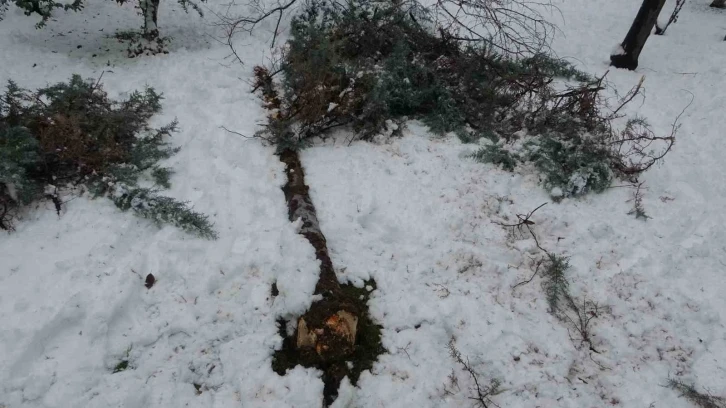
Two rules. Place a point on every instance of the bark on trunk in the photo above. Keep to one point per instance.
(329, 328)
(150, 10)
(719, 3)
(637, 35)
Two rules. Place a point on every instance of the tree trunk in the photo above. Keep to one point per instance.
(150, 10)
(639, 32)
(327, 331)
(719, 3)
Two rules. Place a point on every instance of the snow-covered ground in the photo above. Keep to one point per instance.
(413, 213)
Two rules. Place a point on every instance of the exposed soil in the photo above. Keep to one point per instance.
(366, 350)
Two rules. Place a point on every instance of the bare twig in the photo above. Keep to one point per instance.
(98, 82)
(673, 18)
(632, 93)
(247, 24)
(235, 133)
(525, 222)
(556, 287)
(531, 278)
(581, 322)
(637, 200)
(136, 273)
(702, 399)
(483, 392)
(636, 148)
(524, 219)
(5, 215)
(512, 27)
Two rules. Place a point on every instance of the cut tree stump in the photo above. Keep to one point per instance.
(329, 328)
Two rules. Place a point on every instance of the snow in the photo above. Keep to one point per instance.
(72, 300)
(412, 212)
(618, 50)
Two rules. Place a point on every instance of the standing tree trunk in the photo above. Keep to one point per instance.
(639, 32)
(150, 9)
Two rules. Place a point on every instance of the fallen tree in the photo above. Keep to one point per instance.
(336, 331)
(367, 67)
(329, 328)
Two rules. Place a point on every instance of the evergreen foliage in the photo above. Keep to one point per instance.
(574, 166)
(496, 155)
(700, 399)
(638, 209)
(72, 136)
(368, 66)
(556, 286)
(18, 154)
(161, 210)
(3, 8)
(44, 8)
(578, 316)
